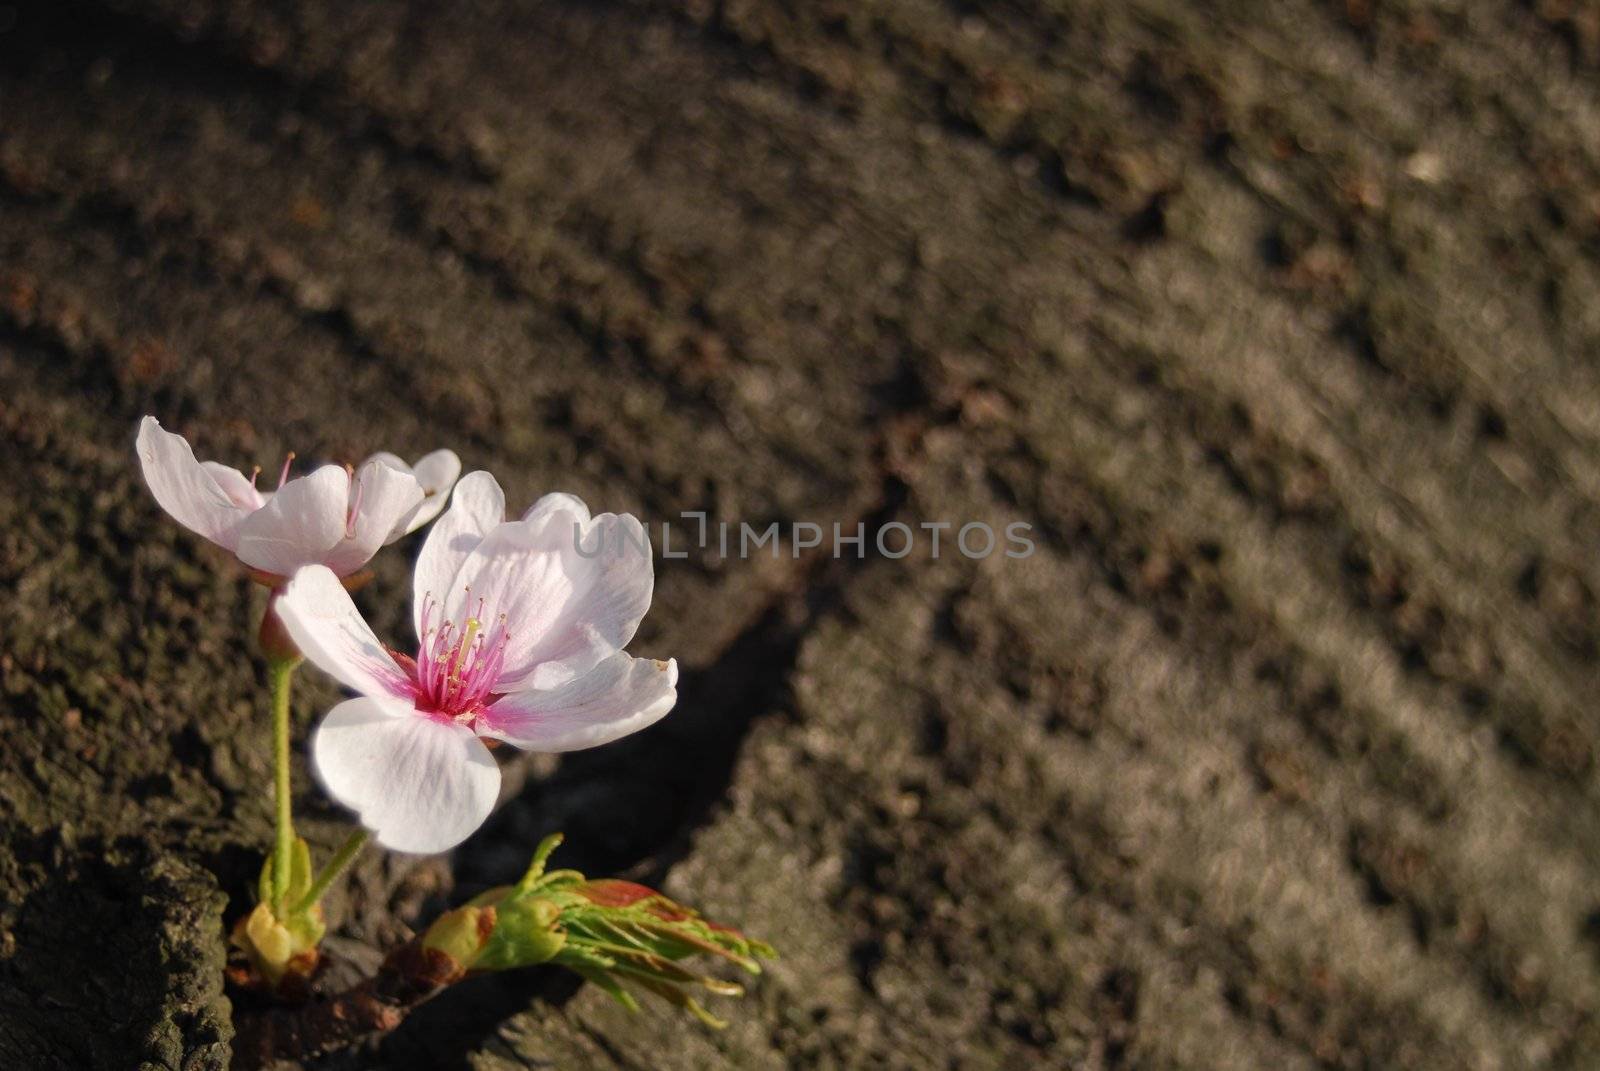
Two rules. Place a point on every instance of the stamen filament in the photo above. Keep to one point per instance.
(457, 667)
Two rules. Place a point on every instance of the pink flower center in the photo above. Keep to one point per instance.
(456, 667)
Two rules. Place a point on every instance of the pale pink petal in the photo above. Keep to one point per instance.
(394, 461)
(184, 487)
(437, 473)
(558, 500)
(325, 625)
(236, 485)
(619, 696)
(299, 525)
(572, 592)
(476, 506)
(383, 497)
(516, 572)
(420, 784)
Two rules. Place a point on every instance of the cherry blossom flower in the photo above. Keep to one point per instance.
(332, 516)
(520, 639)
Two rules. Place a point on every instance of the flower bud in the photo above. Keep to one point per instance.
(610, 932)
(526, 933)
(282, 952)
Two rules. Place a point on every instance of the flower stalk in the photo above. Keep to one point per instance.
(342, 858)
(281, 673)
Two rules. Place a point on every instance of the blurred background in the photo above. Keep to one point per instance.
(1275, 320)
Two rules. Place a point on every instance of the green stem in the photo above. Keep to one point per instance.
(347, 851)
(281, 670)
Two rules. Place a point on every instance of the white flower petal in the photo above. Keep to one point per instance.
(619, 696)
(394, 461)
(437, 473)
(383, 497)
(185, 488)
(299, 525)
(236, 485)
(476, 506)
(572, 591)
(558, 500)
(324, 623)
(420, 784)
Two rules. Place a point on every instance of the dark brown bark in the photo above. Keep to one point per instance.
(1275, 319)
(409, 976)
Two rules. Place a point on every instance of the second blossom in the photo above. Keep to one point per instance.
(520, 639)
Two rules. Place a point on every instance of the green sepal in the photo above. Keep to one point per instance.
(280, 945)
(607, 984)
(300, 876)
(299, 871)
